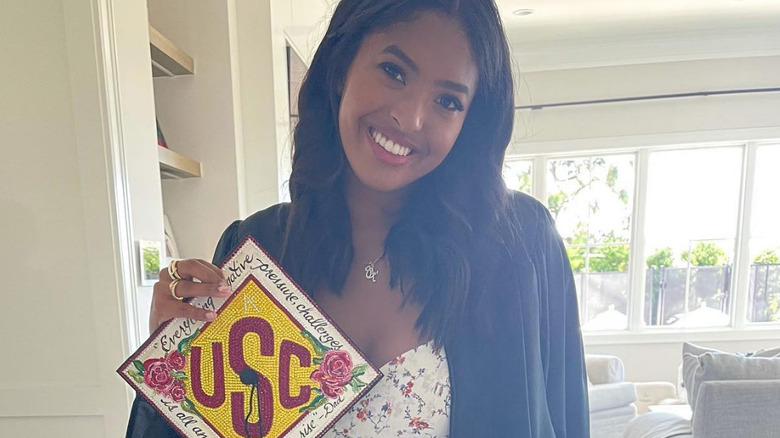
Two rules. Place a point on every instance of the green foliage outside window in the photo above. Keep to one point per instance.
(661, 258)
(705, 254)
(767, 257)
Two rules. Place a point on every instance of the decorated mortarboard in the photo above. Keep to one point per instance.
(271, 364)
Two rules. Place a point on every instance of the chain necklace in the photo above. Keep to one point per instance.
(370, 269)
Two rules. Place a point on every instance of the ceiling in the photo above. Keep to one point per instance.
(564, 34)
(597, 16)
(585, 33)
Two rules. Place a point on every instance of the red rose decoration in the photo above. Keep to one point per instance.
(334, 372)
(177, 392)
(157, 375)
(175, 360)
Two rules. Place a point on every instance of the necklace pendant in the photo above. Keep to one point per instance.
(371, 272)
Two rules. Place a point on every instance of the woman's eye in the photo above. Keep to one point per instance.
(393, 71)
(450, 103)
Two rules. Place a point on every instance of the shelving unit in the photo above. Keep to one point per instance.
(176, 166)
(167, 59)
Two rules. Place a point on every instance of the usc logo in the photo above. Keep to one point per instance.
(243, 342)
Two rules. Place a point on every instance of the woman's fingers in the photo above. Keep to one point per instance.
(165, 307)
(202, 270)
(164, 310)
(198, 279)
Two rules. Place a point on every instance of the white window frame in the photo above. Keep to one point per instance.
(739, 328)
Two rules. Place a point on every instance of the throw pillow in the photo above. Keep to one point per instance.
(725, 366)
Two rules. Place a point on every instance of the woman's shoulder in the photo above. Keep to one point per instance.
(266, 227)
(532, 217)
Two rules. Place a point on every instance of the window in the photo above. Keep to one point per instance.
(691, 225)
(764, 288)
(517, 175)
(700, 245)
(591, 201)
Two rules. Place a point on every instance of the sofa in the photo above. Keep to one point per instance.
(612, 399)
(730, 395)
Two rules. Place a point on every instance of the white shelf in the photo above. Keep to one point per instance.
(167, 59)
(176, 166)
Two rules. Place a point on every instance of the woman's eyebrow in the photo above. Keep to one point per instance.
(453, 86)
(395, 50)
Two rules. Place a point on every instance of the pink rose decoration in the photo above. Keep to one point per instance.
(175, 360)
(177, 392)
(157, 375)
(334, 372)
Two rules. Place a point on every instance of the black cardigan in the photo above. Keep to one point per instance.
(524, 376)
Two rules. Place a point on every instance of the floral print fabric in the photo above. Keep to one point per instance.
(413, 399)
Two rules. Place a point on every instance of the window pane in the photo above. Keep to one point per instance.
(591, 201)
(517, 175)
(764, 290)
(692, 206)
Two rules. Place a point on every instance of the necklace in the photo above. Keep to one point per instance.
(370, 269)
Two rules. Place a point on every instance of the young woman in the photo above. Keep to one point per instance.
(401, 229)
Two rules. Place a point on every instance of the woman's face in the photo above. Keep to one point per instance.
(404, 100)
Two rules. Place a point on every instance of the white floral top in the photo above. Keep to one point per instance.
(413, 399)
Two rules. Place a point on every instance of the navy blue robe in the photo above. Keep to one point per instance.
(524, 376)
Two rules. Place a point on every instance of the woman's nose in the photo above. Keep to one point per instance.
(409, 113)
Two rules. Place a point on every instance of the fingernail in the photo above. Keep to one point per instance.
(224, 290)
(222, 283)
(211, 316)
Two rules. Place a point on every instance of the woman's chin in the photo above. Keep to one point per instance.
(374, 181)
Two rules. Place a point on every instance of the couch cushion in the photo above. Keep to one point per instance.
(611, 423)
(626, 412)
(611, 396)
(658, 425)
(725, 366)
(603, 368)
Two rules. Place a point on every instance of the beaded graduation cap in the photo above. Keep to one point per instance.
(270, 365)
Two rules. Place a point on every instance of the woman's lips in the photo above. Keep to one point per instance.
(385, 156)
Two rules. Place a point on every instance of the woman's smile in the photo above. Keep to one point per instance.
(388, 151)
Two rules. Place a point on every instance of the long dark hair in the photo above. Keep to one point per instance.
(455, 215)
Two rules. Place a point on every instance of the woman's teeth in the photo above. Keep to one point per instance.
(389, 145)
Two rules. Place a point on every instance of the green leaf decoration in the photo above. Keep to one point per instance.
(139, 366)
(188, 406)
(357, 382)
(316, 360)
(138, 377)
(317, 402)
(359, 370)
(318, 347)
(179, 375)
(316, 390)
(184, 344)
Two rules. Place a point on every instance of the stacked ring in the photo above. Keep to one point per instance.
(173, 270)
(172, 288)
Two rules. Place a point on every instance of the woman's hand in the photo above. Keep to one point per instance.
(165, 306)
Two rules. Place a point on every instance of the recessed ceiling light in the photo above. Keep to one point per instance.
(522, 12)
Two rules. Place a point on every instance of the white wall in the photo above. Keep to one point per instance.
(62, 319)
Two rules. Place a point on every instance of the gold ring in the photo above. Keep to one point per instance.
(173, 270)
(172, 287)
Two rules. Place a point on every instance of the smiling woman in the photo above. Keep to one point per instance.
(406, 95)
(401, 229)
